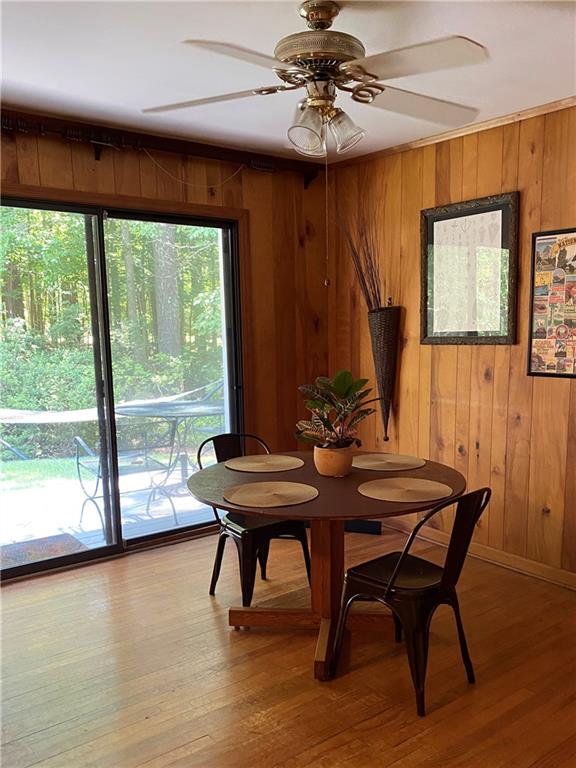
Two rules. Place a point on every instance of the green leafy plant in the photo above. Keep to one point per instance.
(337, 405)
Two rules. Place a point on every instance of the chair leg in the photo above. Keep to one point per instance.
(303, 539)
(248, 561)
(217, 562)
(417, 639)
(263, 551)
(463, 644)
(346, 602)
(97, 510)
(397, 628)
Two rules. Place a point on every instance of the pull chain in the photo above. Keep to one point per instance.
(327, 278)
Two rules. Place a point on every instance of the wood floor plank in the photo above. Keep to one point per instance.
(129, 663)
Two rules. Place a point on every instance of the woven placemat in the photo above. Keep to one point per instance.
(386, 462)
(272, 462)
(273, 494)
(407, 489)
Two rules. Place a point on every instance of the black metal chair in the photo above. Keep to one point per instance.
(413, 588)
(251, 534)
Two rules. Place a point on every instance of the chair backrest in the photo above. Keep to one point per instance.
(229, 445)
(468, 511)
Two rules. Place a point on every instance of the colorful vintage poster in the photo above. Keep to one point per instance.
(553, 322)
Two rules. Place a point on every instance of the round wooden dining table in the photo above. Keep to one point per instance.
(338, 500)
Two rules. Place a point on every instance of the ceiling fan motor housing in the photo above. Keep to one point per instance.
(319, 49)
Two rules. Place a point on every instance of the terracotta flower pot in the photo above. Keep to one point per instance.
(333, 462)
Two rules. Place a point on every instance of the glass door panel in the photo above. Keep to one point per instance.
(171, 362)
(53, 478)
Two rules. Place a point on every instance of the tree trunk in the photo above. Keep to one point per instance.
(168, 322)
(134, 325)
(12, 290)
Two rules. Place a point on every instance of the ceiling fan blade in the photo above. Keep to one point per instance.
(424, 107)
(444, 53)
(237, 52)
(200, 102)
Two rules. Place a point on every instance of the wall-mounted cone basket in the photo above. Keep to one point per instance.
(384, 325)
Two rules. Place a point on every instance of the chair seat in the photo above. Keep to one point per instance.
(129, 463)
(238, 522)
(416, 574)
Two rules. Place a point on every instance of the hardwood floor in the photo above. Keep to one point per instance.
(130, 663)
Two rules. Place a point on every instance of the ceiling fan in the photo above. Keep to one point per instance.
(323, 61)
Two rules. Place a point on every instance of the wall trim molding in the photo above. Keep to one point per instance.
(123, 202)
(495, 556)
(513, 117)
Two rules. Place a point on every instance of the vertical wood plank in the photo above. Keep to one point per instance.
(9, 164)
(569, 532)
(392, 267)
(510, 138)
(408, 378)
(444, 357)
(232, 185)
(89, 174)
(464, 352)
(569, 535)
(169, 176)
(127, 173)
(425, 365)
(27, 156)
(214, 179)
(549, 437)
(55, 162)
(284, 269)
(488, 182)
(259, 323)
(530, 158)
(196, 180)
(148, 183)
(312, 293)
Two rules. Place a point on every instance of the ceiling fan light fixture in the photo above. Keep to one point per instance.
(306, 134)
(320, 152)
(345, 132)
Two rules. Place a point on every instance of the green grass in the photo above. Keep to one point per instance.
(16, 474)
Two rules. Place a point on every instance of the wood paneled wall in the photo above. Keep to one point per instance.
(472, 407)
(283, 295)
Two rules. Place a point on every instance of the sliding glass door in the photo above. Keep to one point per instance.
(119, 355)
(173, 361)
(51, 400)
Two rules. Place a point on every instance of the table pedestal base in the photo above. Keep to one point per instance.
(327, 555)
(288, 618)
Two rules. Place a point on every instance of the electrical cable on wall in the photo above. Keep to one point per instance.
(188, 183)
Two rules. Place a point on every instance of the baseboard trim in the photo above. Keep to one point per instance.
(505, 559)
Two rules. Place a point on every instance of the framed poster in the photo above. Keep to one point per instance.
(469, 271)
(553, 304)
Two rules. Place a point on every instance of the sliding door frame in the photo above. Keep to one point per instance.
(232, 315)
(234, 225)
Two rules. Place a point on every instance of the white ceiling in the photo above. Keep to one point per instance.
(105, 61)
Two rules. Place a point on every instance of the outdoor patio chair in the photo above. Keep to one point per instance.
(154, 458)
(250, 533)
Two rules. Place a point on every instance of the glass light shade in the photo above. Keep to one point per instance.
(346, 133)
(320, 152)
(306, 134)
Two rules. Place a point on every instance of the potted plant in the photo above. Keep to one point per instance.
(337, 405)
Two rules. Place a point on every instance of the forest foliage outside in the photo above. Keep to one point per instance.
(165, 304)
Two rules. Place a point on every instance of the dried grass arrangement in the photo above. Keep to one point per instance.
(363, 244)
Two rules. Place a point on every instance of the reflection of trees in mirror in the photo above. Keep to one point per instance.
(165, 316)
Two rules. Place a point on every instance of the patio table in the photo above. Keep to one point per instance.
(338, 501)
